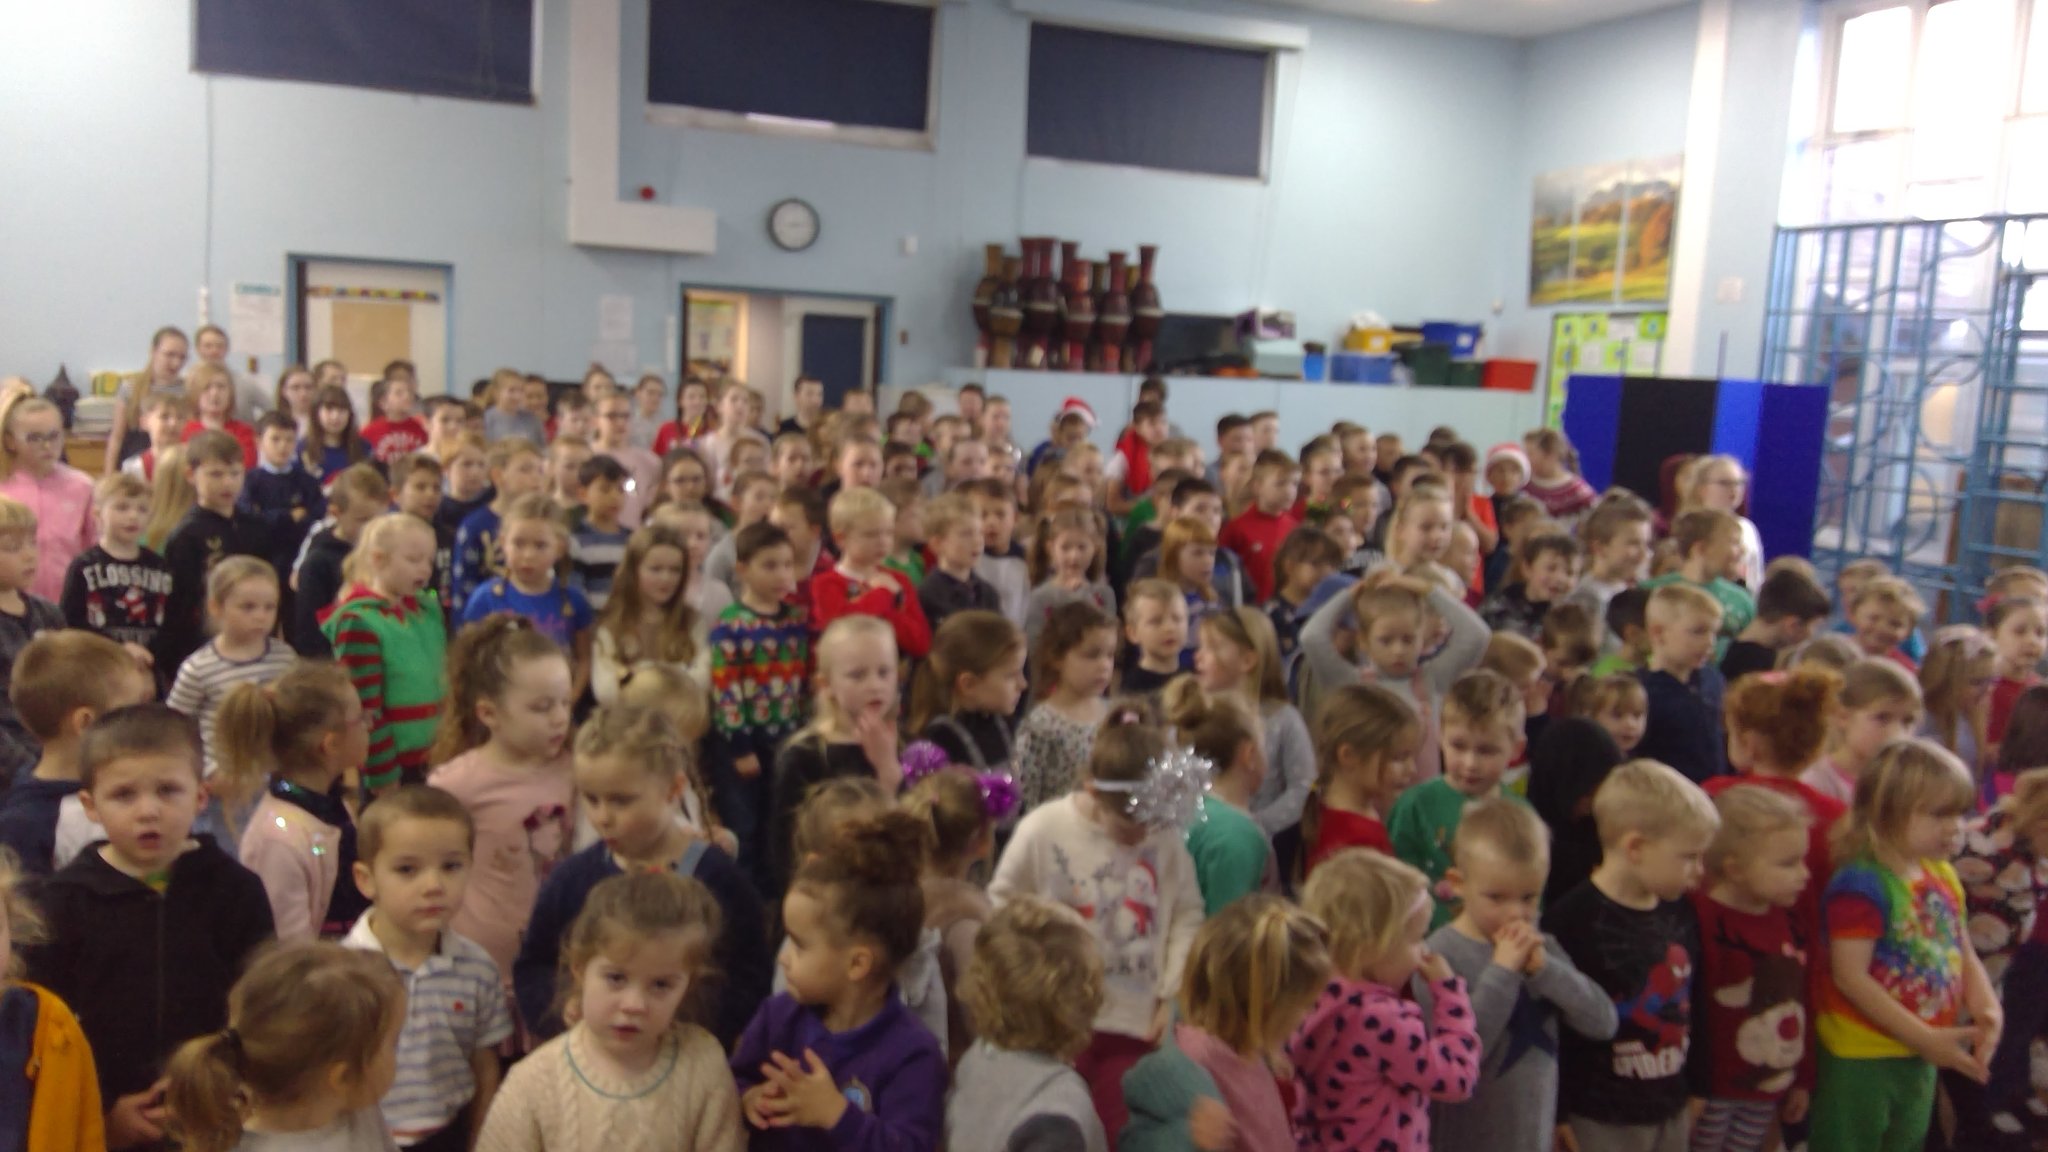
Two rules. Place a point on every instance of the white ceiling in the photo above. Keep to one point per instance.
(1520, 18)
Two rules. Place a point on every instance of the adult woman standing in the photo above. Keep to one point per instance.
(33, 473)
(167, 352)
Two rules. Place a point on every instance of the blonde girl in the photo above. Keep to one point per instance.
(1252, 974)
(965, 692)
(632, 769)
(502, 749)
(1387, 621)
(1377, 910)
(332, 444)
(1239, 653)
(1908, 994)
(1755, 939)
(535, 542)
(1075, 662)
(1231, 853)
(167, 351)
(1066, 567)
(1955, 683)
(1880, 703)
(292, 740)
(1367, 739)
(64, 1096)
(963, 836)
(1420, 530)
(1719, 483)
(1777, 724)
(241, 603)
(648, 619)
(393, 642)
(685, 702)
(2019, 636)
(633, 1070)
(170, 498)
(1113, 852)
(1187, 558)
(1032, 990)
(1618, 704)
(855, 918)
(852, 731)
(212, 388)
(262, 1081)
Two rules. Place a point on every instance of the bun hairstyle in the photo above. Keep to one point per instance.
(949, 801)
(833, 803)
(867, 880)
(352, 1001)
(1217, 727)
(481, 663)
(1791, 711)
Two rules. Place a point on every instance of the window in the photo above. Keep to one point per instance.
(477, 49)
(858, 68)
(1109, 98)
(1929, 109)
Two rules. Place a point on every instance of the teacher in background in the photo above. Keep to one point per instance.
(210, 343)
(167, 352)
(33, 474)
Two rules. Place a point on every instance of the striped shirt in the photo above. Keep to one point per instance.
(206, 677)
(454, 1008)
(594, 559)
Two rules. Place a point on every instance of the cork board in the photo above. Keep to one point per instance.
(370, 334)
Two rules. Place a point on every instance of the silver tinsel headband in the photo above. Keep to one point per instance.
(1169, 796)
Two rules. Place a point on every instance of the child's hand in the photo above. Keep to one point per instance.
(812, 1097)
(1987, 1026)
(137, 1118)
(1511, 946)
(1209, 1125)
(1537, 952)
(760, 1105)
(876, 732)
(1435, 968)
(727, 842)
(747, 766)
(1793, 1110)
(1950, 1048)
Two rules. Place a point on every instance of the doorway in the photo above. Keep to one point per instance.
(367, 313)
(768, 338)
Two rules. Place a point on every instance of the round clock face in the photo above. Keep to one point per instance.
(793, 225)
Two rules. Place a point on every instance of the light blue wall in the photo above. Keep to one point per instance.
(1612, 92)
(1401, 168)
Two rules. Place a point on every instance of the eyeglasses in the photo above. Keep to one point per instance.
(1729, 483)
(42, 439)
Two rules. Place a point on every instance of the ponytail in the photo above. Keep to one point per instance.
(276, 727)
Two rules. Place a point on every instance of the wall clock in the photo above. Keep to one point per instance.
(793, 225)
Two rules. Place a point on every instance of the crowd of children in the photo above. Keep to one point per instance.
(541, 773)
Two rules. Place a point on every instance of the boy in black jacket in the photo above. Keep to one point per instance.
(359, 496)
(149, 929)
(280, 496)
(1682, 684)
(210, 531)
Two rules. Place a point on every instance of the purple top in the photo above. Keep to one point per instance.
(890, 1068)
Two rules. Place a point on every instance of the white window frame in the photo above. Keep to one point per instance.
(1824, 141)
(787, 127)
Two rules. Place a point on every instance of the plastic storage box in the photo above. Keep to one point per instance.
(1361, 368)
(1462, 338)
(1509, 376)
(1431, 364)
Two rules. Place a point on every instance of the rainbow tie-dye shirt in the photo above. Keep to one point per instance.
(1918, 961)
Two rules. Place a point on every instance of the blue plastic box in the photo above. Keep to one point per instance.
(1361, 368)
(1462, 338)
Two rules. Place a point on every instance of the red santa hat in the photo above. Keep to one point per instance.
(1509, 450)
(1079, 406)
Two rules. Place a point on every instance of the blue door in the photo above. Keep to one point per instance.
(835, 350)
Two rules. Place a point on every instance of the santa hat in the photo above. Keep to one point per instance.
(1077, 405)
(1509, 451)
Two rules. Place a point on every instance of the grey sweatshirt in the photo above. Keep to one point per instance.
(1460, 654)
(1514, 1109)
(1011, 579)
(1010, 1101)
(1290, 769)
